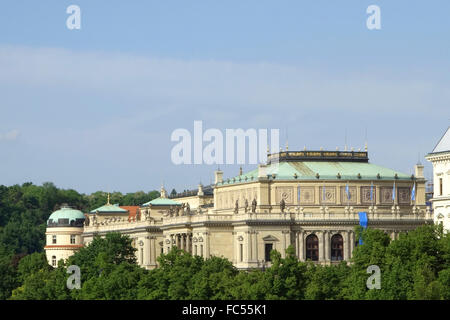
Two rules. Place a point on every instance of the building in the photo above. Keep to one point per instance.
(64, 234)
(312, 200)
(440, 158)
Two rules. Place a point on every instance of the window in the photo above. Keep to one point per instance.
(337, 248)
(312, 247)
(195, 250)
(162, 250)
(54, 261)
(142, 256)
(267, 248)
(201, 250)
(53, 239)
(72, 239)
(241, 252)
(441, 191)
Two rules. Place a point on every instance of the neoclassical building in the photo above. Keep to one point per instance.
(440, 158)
(312, 200)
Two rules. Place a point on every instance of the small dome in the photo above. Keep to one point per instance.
(66, 217)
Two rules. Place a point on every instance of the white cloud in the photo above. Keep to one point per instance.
(10, 135)
(203, 84)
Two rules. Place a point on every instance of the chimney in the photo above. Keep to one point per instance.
(418, 171)
(200, 190)
(218, 176)
(262, 171)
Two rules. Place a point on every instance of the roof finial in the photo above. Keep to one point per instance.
(287, 140)
(107, 203)
(365, 147)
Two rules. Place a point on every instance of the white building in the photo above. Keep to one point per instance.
(440, 158)
(63, 234)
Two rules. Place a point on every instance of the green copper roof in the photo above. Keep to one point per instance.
(308, 170)
(109, 208)
(162, 202)
(65, 213)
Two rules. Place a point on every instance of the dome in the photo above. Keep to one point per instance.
(66, 217)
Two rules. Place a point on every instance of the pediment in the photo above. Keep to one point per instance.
(440, 216)
(270, 238)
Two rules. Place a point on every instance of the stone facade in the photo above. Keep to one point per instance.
(243, 219)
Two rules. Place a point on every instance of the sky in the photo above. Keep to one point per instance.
(94, 109)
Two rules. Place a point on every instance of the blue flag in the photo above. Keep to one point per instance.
(371, 191)
(393, 192)
(298, 194)
(348, 192)
(362, 222)
(413, 193)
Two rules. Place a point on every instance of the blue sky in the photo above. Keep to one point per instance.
(93, 109)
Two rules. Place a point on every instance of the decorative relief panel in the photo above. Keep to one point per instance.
(404, 195)
(365, 195)
(327, 195)
(386, 195)
(286, 193)
(306, 195)
(345, 199)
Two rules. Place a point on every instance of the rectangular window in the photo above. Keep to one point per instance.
(54, 261)
(201, 250)
(267, 248)
(72, 239)
(441, 191)
(162, 250)
(53, 239)
(195, 250)
(241, 252)
(142, 256)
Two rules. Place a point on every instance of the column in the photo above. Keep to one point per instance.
(297, 252)
(249, 246)
(189, 242)
(327, 245)
(347, 246)
(177, 240)
(255, 247)
(283, 253)
(321, 246)
(352, 242)
(301, 242)
(147, 251)
(207, 248)
(182, 238)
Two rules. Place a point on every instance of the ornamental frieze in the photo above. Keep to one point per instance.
(327, 195)
(350, 198)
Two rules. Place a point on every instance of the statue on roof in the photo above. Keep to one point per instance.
(254, 203)
(246, 206)
(236, 207)
(86, 221)
(188, 209)
(282, 205)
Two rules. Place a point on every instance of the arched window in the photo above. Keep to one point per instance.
(312, 247)
(337, 248)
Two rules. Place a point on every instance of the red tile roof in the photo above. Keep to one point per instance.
(133, 212)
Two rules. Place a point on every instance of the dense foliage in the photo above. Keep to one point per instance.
(24, 211)
(416, 266)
